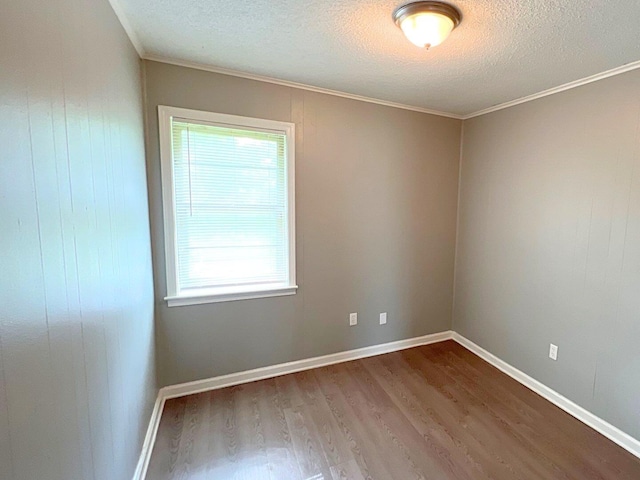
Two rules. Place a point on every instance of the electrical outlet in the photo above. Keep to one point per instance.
(553, 351)
(383, 318)
(353, 319)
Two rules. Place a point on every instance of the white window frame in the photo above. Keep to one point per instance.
(174, 297)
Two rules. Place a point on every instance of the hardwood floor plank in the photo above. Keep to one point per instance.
(191, 461)
(165, 452)
(346, 471)
(252, 456)
(334, 443)
(308, 388)
(289, 391)
(279, 447)
(433, 412)
(357, 435)
(306, 443)
(223, 437)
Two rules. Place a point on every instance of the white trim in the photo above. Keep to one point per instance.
(183, 300)
(190, 388)
(215, 383)
(131, 33)
(614, 434)
(561, 88)
(302, 86)
(168, 194)
(149, 439)
(262, 78)
(174, 391)
(174, 296)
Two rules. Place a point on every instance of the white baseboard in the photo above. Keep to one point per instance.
(614, 434)
(214, 383)
(149, 440)
(183, 389)
(173, 391)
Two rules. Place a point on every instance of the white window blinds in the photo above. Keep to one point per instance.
(230, 207)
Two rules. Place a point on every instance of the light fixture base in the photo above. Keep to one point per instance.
(404, 11)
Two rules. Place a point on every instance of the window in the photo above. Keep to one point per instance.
(228, 197)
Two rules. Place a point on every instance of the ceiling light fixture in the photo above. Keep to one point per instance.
(426, 24)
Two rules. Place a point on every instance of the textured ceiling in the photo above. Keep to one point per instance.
(502, 50)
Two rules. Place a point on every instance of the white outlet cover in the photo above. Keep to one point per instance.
(553, 351)
(353, 319)
(383, 318)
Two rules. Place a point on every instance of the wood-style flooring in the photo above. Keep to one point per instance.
(433, 412)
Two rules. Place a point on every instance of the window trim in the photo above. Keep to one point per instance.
(213, 295)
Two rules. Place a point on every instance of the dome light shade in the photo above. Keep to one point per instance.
(426, 24)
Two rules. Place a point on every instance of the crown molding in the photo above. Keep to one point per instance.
(137, 44)
(302, 86)
(131, 33)
(551, 91)
(627, 67)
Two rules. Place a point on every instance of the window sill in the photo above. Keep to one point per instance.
(229, 296)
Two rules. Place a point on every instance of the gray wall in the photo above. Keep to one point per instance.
(77, 376)
(549, 243)
(376, 200)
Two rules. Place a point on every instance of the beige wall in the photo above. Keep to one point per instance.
(549, 242)
(376, 194)
(77, 376)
